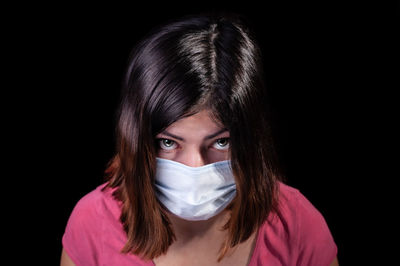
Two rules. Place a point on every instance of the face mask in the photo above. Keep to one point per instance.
(194, 193)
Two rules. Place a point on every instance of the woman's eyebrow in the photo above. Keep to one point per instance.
(206, 138)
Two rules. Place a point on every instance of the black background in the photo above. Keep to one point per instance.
(319, 69)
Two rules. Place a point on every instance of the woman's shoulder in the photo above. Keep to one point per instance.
(96, 203)
(294, 208)
(85, 224)
(99, 196)
(298, 230)
(292, 202)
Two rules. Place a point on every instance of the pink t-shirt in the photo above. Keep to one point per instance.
(298, 236)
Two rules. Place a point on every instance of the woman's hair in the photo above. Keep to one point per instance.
(195, 63)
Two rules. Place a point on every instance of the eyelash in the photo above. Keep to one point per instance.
(159, 141)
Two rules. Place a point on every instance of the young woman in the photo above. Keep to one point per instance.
(195, 180)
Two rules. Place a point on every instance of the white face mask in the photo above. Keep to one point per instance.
(194, 193)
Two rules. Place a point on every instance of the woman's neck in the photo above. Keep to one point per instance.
(188, 230)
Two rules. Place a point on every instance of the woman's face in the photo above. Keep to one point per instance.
(194, 141)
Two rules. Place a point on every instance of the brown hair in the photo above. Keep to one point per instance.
(180, 68)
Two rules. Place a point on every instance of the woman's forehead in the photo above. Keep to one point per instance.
(201, 119)
(200, 125)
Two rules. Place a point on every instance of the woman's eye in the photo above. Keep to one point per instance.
(222, 144)
(166, 144)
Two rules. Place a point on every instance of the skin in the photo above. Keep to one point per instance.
(193, 149)
(186, 141)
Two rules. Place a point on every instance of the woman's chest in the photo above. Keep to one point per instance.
(200, 254)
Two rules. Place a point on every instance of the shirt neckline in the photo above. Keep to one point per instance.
(254, 249)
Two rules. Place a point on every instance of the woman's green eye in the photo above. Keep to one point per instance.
(166, 144)
(222, 144)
